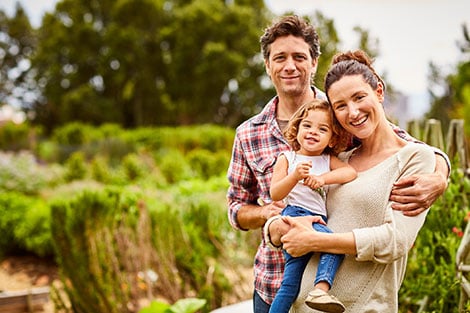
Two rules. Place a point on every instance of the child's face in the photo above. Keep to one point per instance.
(314, 133)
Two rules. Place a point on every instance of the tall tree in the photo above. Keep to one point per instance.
(145, 62)
(450, 93)
(17, 44)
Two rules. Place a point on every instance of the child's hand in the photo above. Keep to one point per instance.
(314, 181)
(302, 170)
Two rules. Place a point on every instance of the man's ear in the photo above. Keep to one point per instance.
(267, 67)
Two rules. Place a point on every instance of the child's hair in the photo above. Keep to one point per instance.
(341, 139)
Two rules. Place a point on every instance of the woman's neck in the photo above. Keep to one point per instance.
(380, 142)
(378, 147)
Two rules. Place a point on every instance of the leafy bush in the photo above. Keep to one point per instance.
(173, 166)
(431, 283)
(206, 163)
(189, 305)
(76, 167)
(20, 172)
(102, 243)
(16, 137)
(24, 225)
(71, 138)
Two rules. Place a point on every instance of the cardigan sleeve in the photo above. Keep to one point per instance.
(393, 239)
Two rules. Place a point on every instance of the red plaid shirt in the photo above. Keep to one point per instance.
(258, 142)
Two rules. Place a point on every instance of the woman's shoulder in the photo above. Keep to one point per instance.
(413, 148)
(418, 154)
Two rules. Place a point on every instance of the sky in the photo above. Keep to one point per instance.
(411, 33)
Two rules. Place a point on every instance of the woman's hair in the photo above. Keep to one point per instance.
(341, 139)
(352, 63)
(291, 25)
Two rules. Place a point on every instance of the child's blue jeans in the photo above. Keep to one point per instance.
(295, 266)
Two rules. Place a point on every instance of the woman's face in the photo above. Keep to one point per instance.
(357, 106)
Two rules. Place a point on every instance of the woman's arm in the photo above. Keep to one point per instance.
(302, 239)
(382, 243)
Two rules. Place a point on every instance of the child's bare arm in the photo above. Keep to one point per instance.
(340, 173)
(282, 182)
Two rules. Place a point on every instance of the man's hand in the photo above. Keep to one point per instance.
(416, 193)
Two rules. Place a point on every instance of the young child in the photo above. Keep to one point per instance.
(300, 178)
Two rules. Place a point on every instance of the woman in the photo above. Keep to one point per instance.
(375, 238)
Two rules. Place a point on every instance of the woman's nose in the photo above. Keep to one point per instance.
(353, 109)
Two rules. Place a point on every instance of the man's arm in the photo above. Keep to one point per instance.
(416, 193)
(251, 216)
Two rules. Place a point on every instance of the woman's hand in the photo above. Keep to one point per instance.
(297, 240)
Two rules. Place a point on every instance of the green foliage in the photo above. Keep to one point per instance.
(133, 167)
(194, 220)
(20, 172)
(99, 170)
(16, 137)
(431, 282)
(450, 93)
(173, 166)
(101, 239)
(207, 164)
(24, 225)
(18, 42)
(189, 305)
(76, 167)
(132, 63)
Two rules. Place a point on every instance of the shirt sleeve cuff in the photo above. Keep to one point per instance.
(266, 235)
(364, 248)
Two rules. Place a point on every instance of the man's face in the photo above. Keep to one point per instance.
(290, 66)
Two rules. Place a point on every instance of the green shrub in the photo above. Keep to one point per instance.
(431, 283)
(20, 172)
(173, 166)
(72, 137)
(102, 244)
(76, 167)
(189, 305)
(24, 225)
(133, 167)
(100, 170)
(191, 232)
(206, 164)
(16, 137)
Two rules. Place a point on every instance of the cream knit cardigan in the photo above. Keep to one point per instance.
(369, 281)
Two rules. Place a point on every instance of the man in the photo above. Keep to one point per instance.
(291, 50)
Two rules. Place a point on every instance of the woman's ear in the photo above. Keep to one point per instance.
(380, 92)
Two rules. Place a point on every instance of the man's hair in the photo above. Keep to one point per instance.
(291, 25)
